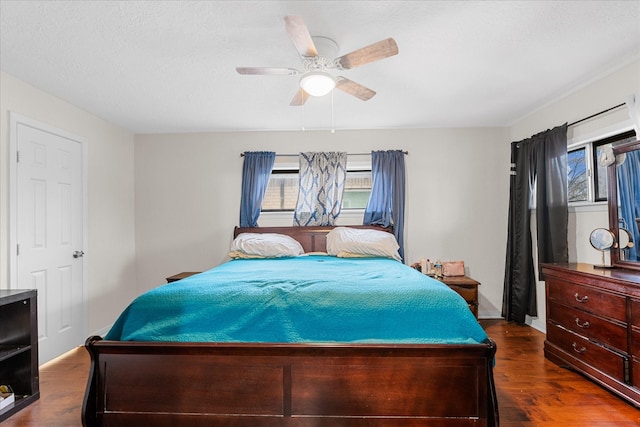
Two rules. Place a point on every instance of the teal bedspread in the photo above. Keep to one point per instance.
(304, 299)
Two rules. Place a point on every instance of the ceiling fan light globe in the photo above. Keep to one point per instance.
(317, 83)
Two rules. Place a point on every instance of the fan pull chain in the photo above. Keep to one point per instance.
(333, 130)
(303, 129)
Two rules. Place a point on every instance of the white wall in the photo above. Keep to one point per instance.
(188, 196)
(110, 256)
(598, 95)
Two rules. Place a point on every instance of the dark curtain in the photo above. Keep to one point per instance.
(256, 171)
(538, 163)
(387, 200)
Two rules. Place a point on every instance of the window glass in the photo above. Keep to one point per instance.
(357, 189)
(282, 191)
(577, 175)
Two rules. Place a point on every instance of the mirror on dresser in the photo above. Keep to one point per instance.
(623, 178)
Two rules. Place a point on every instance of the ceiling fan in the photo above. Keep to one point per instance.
(316, 79)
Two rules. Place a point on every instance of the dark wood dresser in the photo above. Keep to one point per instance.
(593, 324)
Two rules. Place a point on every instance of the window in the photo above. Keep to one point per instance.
(282, 191)
(357, 189)
(600, 177)
(577, 180)
(587, 180)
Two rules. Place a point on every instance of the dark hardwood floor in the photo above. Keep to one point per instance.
(531, 390)
(535, 392)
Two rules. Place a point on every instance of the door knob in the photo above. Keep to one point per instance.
(78, 254)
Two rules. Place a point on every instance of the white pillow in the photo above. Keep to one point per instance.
(362, 241)
(265, 245)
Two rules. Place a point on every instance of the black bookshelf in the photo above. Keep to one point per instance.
(19, 347)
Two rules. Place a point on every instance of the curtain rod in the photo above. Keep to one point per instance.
(596, 114)
(348, 154)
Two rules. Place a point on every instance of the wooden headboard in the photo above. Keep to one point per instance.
(312, 239)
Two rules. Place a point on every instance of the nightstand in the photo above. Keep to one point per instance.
(467, 288)
(181, 276)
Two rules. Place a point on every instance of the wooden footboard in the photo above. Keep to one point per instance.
(209, 384)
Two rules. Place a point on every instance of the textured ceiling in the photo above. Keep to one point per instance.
(169, 66)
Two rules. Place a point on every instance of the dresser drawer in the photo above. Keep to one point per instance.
(469, 293)
(589, 299)
(635, 339)
(590, 326)
(599, 357)
(635, 342)
(635, 312)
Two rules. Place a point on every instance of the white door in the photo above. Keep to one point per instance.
(49, 227)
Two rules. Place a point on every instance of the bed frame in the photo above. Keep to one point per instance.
(289, 385)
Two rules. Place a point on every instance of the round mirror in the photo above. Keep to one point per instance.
(602, 239)
(624, 239)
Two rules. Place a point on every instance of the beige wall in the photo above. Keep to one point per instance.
(188, 196)
(110, 256)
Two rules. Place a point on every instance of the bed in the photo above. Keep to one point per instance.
(279, 369)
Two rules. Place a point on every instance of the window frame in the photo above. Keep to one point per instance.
(596, 175)
(591, 147)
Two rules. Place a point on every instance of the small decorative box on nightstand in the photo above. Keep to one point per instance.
(467, 288)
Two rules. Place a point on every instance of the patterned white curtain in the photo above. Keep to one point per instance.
(322, 179)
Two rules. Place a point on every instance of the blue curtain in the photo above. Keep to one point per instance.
(322, 179)
(386, 203)
(256, 171)
(628, 175)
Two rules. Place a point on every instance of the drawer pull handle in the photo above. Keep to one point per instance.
(581, 300)
(580, 350)
(584, 325)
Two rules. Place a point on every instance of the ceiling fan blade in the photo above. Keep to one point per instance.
(300, 36)
(268, 71)
(300, 98)
(374, 52)
(355, 89)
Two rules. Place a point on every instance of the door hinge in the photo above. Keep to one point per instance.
(17, 157)
(17, 249)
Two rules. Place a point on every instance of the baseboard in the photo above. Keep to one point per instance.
(490, 315)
